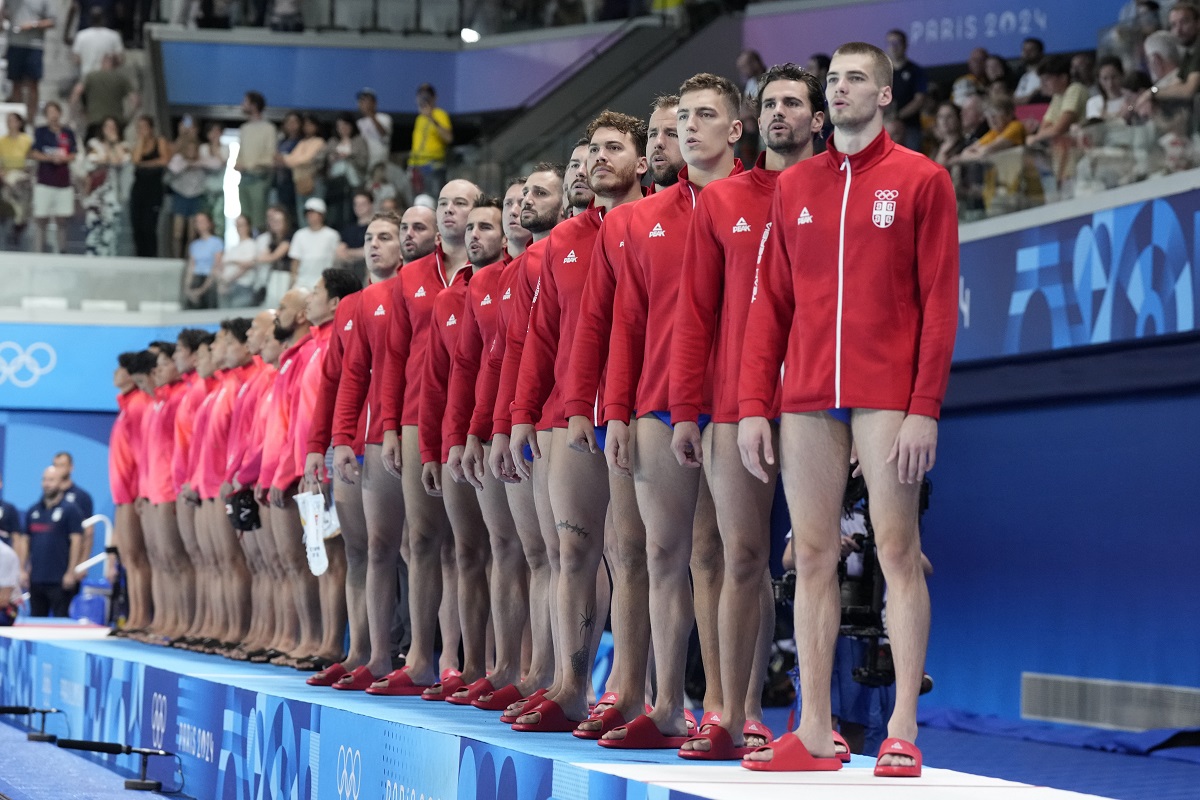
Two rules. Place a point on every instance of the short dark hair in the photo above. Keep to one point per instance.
(256, 99)
(1055, 65)
(50, 103)
(631, 126)
(349, 119)
(487, 201)
(192, 338)
(792, 72)
(582, 141)
(1041, 46)
(387, 216)
(516, 180)
(427, 88)
(821, 60)
(160, 345)
(883, 64)
(340, 282)
(237, 327)
(363, 193)
(557, 167)
(901, 34)
(127, 360)
(65, 454)
(143, 363)
(726, 88)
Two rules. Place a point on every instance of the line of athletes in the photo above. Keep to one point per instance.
(552, 404)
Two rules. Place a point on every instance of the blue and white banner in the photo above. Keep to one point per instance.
(1115, 275)
(67, 367)
(939, 31)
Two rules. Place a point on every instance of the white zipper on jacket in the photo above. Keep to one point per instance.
(837, 349)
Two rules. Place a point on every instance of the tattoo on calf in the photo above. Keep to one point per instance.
(563, 525)
(586, 623)
(579, 661)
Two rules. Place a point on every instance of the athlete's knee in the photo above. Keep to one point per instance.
(745, 561)
(899, 556)
(663, 558)
(816, 558)
(708, 554)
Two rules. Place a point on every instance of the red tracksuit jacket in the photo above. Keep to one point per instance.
(321, 432)
(720, 260)
(479, 323)
(553, 319)
(523, 286)
(644, 311)
(446, 324)
(857, 289)
(360, 384)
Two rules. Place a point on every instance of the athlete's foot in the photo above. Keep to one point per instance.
(907, 733)
(819, 745)
(674, 724)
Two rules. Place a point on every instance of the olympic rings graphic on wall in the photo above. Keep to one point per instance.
(349, 773)
(22, 367)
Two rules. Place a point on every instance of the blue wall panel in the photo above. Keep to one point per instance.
(1064, 541)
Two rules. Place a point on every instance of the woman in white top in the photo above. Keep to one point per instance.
(106, 153)
(1111, 103)
(188, 178)
(242, 274)
(214, 157)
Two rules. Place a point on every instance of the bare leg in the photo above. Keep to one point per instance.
(428, 529)
(579, 497)
(161, 614)
(449, 621)
(470, 541)
(332, 591)
(815, 454)
(259, 587)
(547, 523)
(667, 495)
(743, 507)
(236, 576)
(185, 516)
(349, 500)
(894, 519)
(541, 658)
(285, 626)
(178, 566)
(289, 541)
(708, 573)
(509, 589)
(384, 507)
(209, 573)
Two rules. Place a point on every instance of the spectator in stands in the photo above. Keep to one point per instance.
(243, 275)
(1068, 100)
(306, 163)
(150, 156)
(94, 42)
(50, 548)
(10, 520)
(278, 240)
(909, 87)
(28, 21)
(313, 246)
(350, 252)
(346, 163)
(203, 264)
(948, 131)
(214, 157)
(15, 182)
(818, 64)
(54, 148)
(1163, 59)
(1111, 103)
(1004, 131)
(188, 195)
(750, 67)
(375, 127)
(975, 81)
(380, 187)
(974, 123)
(289, 137)
(1083, 71)
(106, 154)
(105, 92)
(432, 135)
(1029, 86)
(285, 16)
(996, 69)
(1184, 20)
(256, 158)
(10, 583)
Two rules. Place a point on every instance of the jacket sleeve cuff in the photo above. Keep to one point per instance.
(684, 413)
(521, 416)
(389, 424)
(616, 411)
(502, 427)
(578, 408)
(428, 456)
(925, 406)
(454, 440)
(754, 408)
(341, 440)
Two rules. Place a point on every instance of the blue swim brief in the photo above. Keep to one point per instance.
(665, 418)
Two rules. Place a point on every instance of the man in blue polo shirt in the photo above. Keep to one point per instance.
(50, 548)
(76, 495)
(10, 520)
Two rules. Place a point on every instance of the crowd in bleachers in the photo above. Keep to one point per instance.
(1055, 126)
